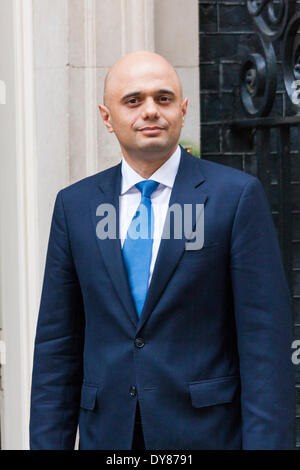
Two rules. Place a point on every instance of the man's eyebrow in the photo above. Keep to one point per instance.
(139, 93)
(166, 92)
(132, 93)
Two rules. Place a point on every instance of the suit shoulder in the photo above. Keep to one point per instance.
(219, 170)
(225, 177)
(88, 184)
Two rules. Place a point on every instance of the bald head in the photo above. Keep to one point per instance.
(144, 108)
(125, 70)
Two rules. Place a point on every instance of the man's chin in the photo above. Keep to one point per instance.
(153, 143)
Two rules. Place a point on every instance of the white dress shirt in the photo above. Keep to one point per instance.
(130, 198)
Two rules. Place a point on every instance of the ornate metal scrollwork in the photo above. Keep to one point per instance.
(273, 18)
(258, 81)
(291, 60)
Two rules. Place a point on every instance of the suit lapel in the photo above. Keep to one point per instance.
(109, 183)
(186, 190)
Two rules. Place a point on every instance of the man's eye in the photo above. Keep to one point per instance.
(164, 98)
(132, 101)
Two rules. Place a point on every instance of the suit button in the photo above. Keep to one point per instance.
(132, 391)
(139, 342)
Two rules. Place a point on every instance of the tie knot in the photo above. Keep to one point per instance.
(147, 187)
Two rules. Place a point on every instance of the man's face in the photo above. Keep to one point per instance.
(144, 107)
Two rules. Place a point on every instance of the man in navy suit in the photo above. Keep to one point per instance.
(150, 342)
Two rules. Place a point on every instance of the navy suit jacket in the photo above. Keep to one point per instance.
(212, 368)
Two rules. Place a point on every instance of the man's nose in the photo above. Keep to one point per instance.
(150, 109)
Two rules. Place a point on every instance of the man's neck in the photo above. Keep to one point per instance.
(144, 167)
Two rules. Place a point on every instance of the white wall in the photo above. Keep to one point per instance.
(54, 57)
(176, 38)
(19, 223)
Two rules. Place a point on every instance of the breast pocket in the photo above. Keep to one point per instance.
(205, 256)
(214, 391)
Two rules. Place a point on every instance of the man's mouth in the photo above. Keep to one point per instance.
(151, 130)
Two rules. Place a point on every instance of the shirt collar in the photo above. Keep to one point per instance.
(164, 175)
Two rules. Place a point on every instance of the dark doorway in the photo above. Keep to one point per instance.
(250, 111)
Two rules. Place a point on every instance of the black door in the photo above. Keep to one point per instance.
(250, 111)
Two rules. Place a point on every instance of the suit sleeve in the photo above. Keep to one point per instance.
(57, 364)
(264, 323)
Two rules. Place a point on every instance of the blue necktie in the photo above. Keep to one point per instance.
(137, 247)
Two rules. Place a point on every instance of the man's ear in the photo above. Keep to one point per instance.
(105, 114)
(183, 109)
